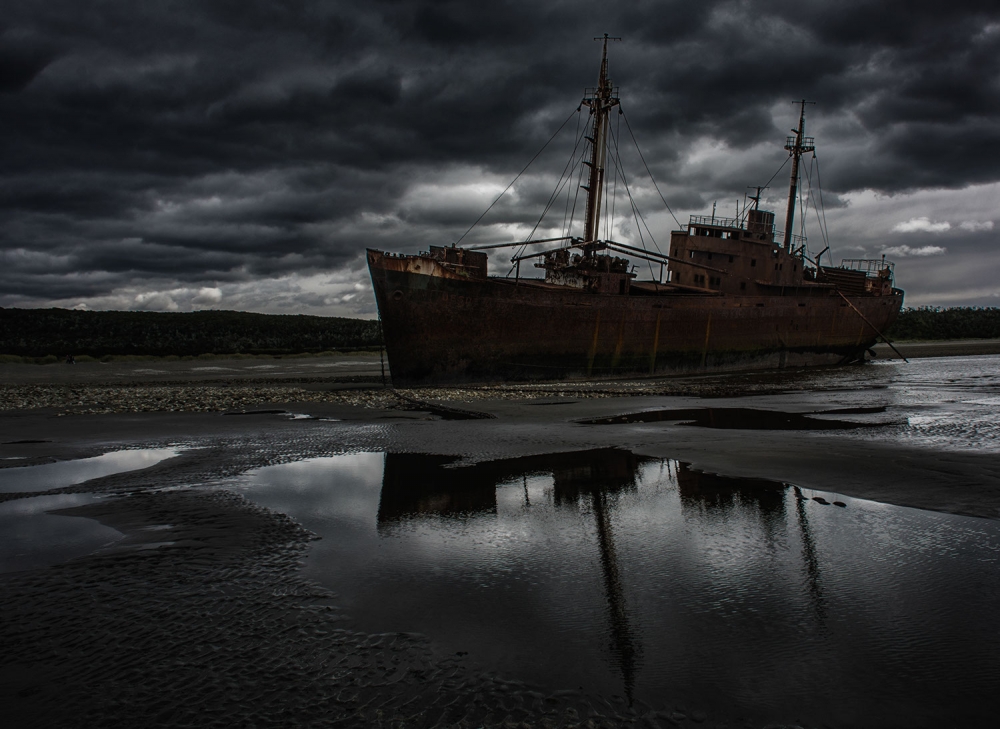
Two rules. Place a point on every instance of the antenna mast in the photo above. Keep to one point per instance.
(601, 101)
(796, 146)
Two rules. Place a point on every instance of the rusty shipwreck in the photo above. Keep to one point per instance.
(730, 294)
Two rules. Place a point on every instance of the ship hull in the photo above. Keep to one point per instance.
(443, 329)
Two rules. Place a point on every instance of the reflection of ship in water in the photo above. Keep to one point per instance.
(720, 496)
(416, 485)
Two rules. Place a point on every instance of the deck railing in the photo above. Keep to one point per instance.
(869, 266)
(714, 220)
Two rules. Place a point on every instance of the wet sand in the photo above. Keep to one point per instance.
(198, 615)
(944, 348)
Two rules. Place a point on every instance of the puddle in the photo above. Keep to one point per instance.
(258, 412)
(445, 412)
(747, 418)
(652, 580)
(30, 538)
(67, 473)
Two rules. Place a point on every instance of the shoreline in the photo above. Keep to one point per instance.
(355, 379)
(939, 348)
(339, 365)
(964, 482)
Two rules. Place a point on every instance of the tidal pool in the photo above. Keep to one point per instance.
(31, 537)
(741, 598)
(68, 473)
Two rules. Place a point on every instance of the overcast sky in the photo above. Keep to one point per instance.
(242, 154)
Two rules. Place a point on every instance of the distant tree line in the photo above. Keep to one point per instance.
(961, 322)
(62, 332)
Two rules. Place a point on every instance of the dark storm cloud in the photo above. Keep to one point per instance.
(187, 144)
(19, 64)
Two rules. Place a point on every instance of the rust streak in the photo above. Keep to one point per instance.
(593, 345)
(656, 343)
(618, 346)
(708, 331)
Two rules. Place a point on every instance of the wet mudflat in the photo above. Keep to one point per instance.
(522, 569)
(746, 418)
(32, 536)
(743, 599)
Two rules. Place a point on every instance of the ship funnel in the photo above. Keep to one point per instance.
(761, 224)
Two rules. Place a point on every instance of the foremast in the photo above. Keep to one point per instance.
(601, 101)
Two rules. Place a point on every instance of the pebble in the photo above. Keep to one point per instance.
(236, 395)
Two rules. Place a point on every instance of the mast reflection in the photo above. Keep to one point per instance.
(723, 496)
(625, 643)
(419, 485)
(600, 474)
(810, 558)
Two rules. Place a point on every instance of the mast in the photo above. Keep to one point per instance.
(600, 102)
(796, 146)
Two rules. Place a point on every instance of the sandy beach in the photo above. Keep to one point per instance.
(198, 616)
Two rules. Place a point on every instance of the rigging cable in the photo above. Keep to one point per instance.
(565, 230)
(621, 111)
(820, 214)
(775, 174)
(576, 199)
(563, 180)
(822, 207)
(805, 210)
(610, 222)
(635, 212)
(804, 204)
(518, 176)
(560, 183)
